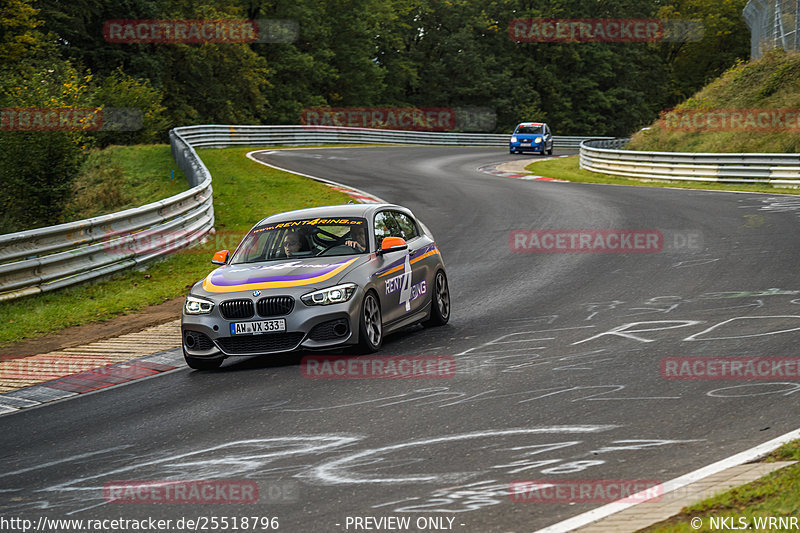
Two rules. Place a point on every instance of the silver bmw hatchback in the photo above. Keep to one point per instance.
(316, 279)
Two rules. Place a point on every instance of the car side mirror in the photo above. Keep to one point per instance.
(392, 244)
(220, 258)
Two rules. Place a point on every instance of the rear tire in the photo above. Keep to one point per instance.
(440, 301)
(202, 364)
(370, 331)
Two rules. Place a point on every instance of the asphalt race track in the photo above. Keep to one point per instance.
(558, 355)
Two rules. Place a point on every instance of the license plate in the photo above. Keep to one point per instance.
(257, 328)
(524, 144)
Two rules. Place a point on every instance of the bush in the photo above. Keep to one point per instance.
(144, 122)
(37, 167)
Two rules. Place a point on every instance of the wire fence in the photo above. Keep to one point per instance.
(773, 24)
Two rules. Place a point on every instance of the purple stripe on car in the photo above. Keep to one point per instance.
(218, 278)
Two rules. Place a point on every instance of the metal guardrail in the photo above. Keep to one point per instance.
(46, 259)
(606, 157)
(50, 258)
(220, 136)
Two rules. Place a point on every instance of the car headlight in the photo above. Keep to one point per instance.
(538, 140)
(514, 139)
(197, 306)
(331, 295)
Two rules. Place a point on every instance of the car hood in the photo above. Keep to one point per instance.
(309, 273)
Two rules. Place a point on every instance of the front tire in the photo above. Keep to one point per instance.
(371, 326)
(202, 364)
(440, 301)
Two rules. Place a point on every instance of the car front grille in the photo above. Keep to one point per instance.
(232, 309)
(254, 344)
(275, 305)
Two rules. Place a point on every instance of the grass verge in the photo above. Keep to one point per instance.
(767, 85)
(244, 192)
(775, 495)
(122, 177)
(568, 168)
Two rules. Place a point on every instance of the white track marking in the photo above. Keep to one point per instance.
(735, 460)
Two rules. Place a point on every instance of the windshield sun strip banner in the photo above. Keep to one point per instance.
(329, 221)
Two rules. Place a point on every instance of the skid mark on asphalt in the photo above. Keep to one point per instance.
(549, 343)
(539, 450)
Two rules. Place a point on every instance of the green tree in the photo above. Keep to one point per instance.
(37, 167)
(20, 36)
(77, 27)
(332, 62)
(695, 62)
(200, 83)
(133, 111)
(459, 53)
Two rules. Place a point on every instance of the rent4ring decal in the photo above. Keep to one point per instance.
(417, 290)
(408, 291)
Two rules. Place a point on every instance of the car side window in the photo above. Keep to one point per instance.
(407, 227)
(394, 224)
(255, 249)
(383, 226)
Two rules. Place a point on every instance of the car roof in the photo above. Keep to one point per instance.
(530, 124)
(330, 211)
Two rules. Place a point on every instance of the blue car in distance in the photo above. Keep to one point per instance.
(531, 137)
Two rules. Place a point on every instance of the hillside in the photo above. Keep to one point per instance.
(753, 107)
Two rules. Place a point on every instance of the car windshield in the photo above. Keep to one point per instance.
(529, 129)
(298, 239)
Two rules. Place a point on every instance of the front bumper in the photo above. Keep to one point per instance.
(307, 327)
(531, 147)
